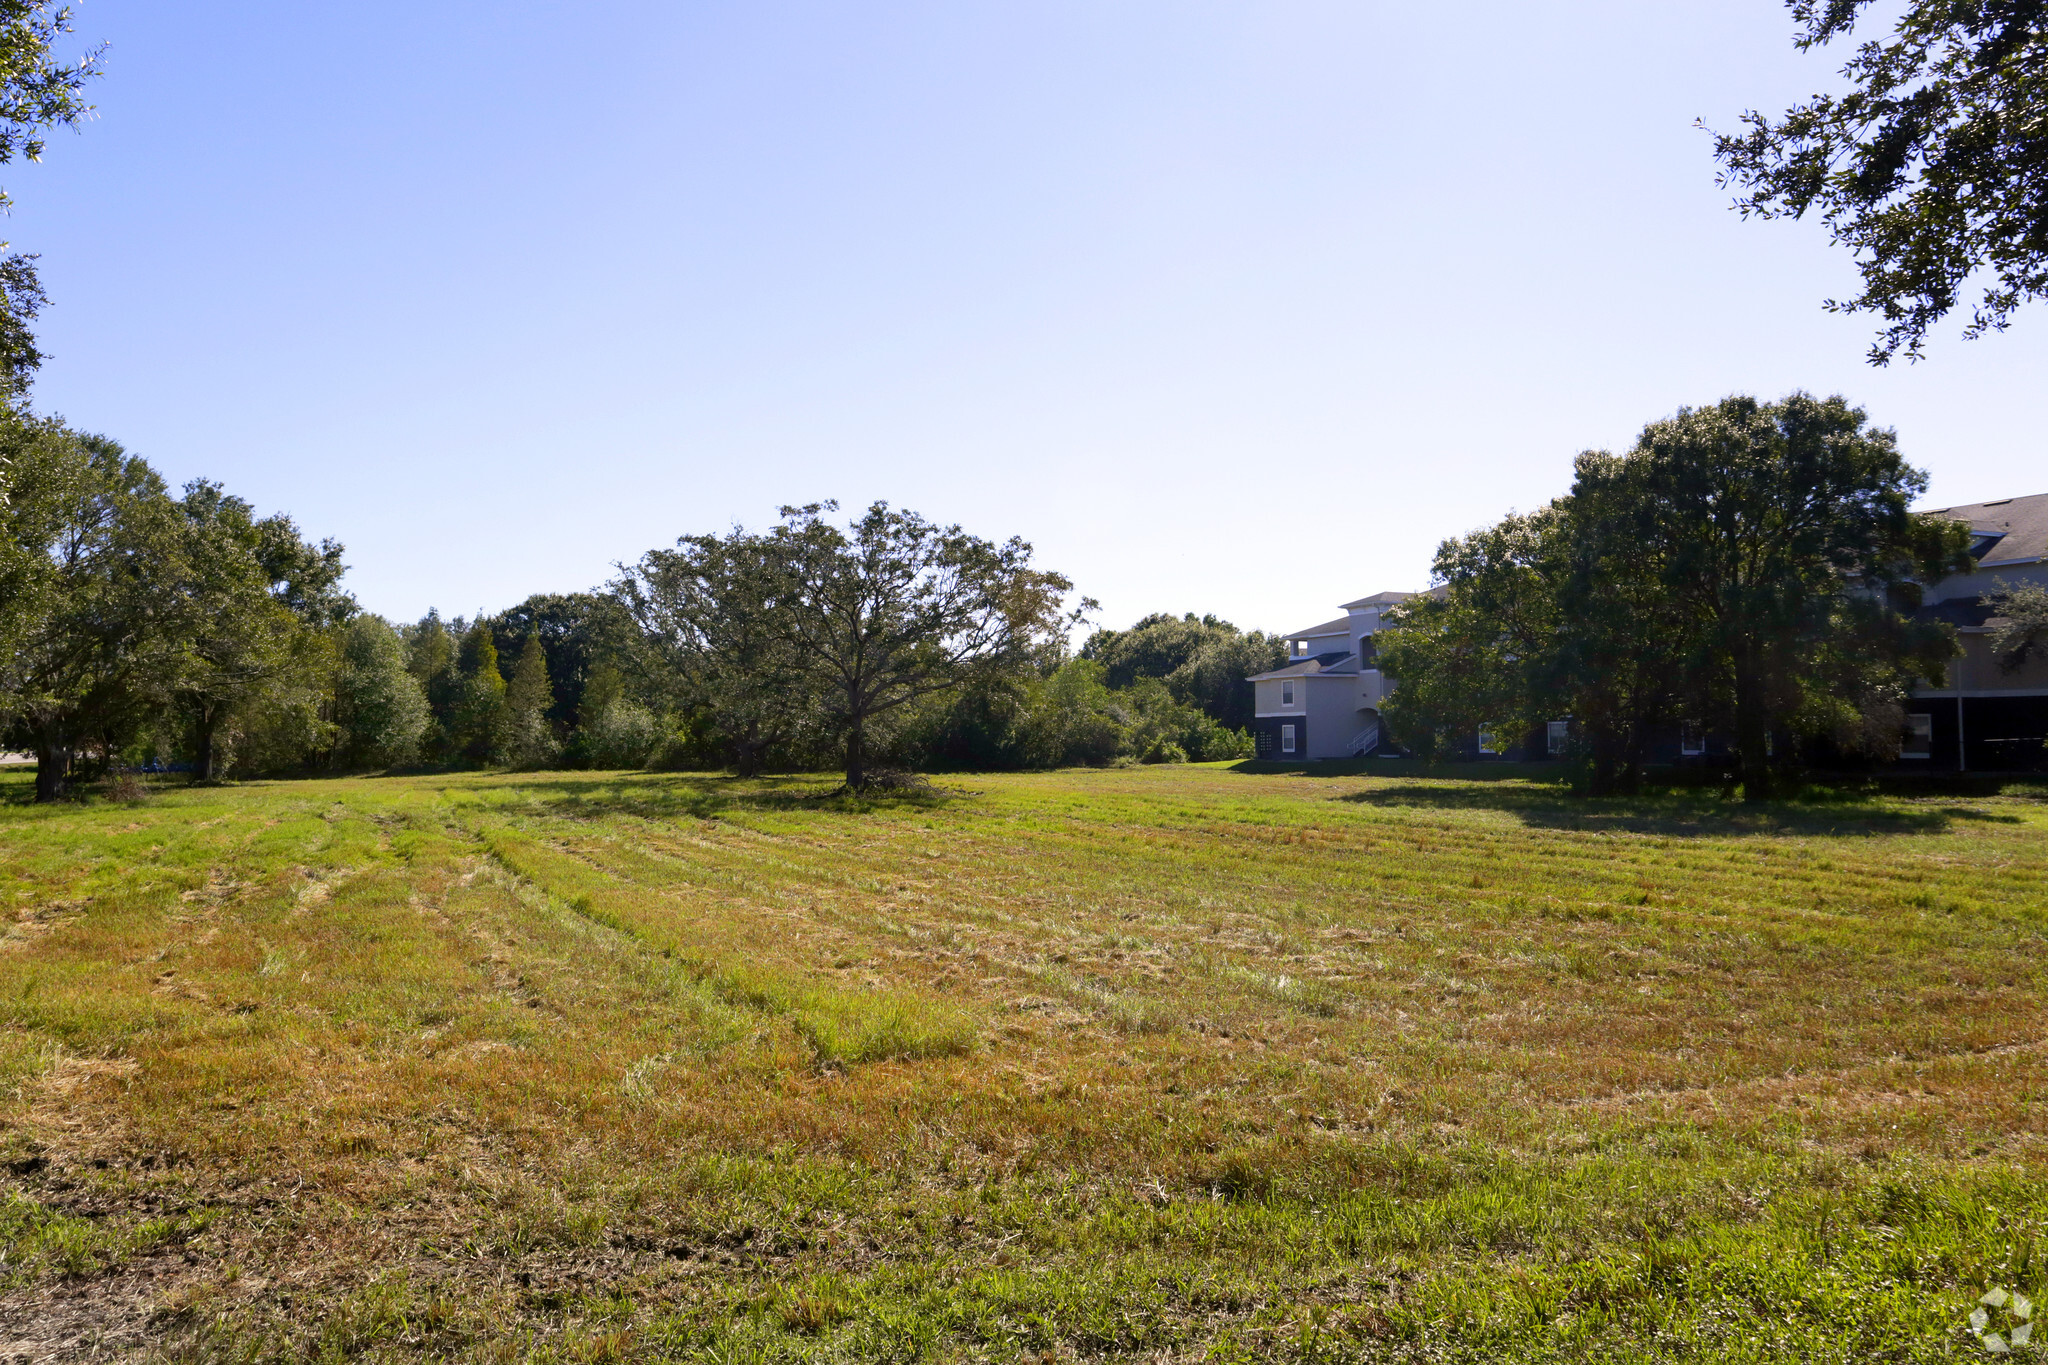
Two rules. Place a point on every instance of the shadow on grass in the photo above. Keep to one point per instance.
(1681, 814)
(1488, 771)
(707, 796)
(18, 788)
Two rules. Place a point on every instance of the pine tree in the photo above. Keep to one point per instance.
(530, 739)
(480, 713)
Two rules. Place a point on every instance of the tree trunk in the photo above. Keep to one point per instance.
(53, 765)
(1633, 759)
(1628, 772)
(203, 727)
(747, 751)
(1606, 753)
(1752, 726)
(856, 757)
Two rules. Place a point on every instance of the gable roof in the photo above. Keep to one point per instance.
(1340, 626)
(1379, 599)
(1335, 661)
(2020, 525)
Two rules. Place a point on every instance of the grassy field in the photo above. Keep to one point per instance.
(1162, 1063)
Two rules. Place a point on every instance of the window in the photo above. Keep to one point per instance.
(1287, 739)
(1486, 741)
(1557, 735)
(1692, 738)
(1919, 736)
(1287, 692)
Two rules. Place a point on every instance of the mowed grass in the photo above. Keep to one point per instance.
(1163, 1063)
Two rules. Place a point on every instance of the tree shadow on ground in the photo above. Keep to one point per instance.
(708, 796)
(1492, 770)
(1685, 815)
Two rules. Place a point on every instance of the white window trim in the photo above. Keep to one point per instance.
(1287, 744)
(1928, 752)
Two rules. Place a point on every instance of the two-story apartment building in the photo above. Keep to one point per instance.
(1324, 702)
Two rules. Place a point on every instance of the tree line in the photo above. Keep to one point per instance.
(1752, 568)
(147, 628)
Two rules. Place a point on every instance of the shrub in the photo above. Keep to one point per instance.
(530, 741)
(1212, 743)
(621, 735)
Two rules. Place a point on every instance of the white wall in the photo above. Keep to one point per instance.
(1985, 582)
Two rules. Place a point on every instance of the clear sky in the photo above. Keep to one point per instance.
(1225, 307)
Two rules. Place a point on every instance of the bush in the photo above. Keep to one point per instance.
(1214, 743)
(1068, 717)
(620, 735)
(530, 741)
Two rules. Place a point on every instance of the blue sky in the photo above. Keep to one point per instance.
(1232, 308)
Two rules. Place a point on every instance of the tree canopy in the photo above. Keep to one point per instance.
(1933, 166)
(894, 608)
(379, 708)
(1749, 566)
(250, 597)
(88, 527)
(706, 612)
(576, 631)
(38, 92)
(1203, 661)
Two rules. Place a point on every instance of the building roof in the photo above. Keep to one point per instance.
(1340, 626)
(2020, 526)
(1380, 599)
(1338, 661)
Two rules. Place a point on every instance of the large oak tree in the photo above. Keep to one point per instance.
(246, 602)
(1749, 565)
(1932, 166)
(893, 608)
(88, 635)
(814, 624)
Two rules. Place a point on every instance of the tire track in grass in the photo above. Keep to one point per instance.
(841, 1027)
